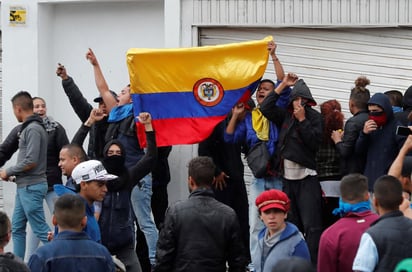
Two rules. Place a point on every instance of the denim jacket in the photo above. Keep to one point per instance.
(71, 251)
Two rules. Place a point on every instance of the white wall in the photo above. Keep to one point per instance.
(110, 29)
(62, 31)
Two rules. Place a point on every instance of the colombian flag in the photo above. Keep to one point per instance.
(188, 91)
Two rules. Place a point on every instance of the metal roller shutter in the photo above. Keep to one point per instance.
(330, 60)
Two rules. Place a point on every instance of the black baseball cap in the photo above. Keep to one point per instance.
(99, 99)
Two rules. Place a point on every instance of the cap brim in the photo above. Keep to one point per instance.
(273, 206)
(105, 177)
(98, 99)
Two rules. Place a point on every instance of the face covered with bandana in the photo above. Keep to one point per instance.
(113, 161)
(377, 114)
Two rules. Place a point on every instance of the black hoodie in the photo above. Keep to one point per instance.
(115, 221)
(298, 141)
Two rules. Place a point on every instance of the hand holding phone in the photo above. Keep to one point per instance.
(403, 131)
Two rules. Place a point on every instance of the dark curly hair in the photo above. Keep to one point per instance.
(331, 111)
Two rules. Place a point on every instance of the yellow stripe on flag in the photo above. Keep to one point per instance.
(177, 70)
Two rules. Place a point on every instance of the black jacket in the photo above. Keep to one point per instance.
(56, 139)
(200, 234)
(351, 162)
(10, 145)
(392, 235)
(298, 141)
(161, 169)
(226, 156)
(82, 108)
(115, 221)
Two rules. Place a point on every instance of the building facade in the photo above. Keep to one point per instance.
(329, 43)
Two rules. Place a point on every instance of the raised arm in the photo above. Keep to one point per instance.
(101, 83)
(280, 73)
(81, 107)
(237, 111)
(146, 163)
(95, 116)
(396, 167)
(269, 107)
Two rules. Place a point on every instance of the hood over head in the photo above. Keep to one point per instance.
(382, 101)
(115, 165)
(111, 142)
(302, 90)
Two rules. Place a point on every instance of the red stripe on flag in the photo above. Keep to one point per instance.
(180, 130)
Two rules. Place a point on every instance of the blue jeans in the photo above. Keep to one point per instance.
(29, 207)
(32, 240)
(257, 186)
(141, 203)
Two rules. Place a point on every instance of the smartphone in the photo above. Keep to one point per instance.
(403, 131)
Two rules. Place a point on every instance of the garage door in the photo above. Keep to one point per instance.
(330, 60)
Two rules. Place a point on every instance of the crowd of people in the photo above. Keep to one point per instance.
(329, 195)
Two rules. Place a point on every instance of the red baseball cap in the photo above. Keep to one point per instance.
(273, 199)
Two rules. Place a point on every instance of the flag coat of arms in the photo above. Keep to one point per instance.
(188, 91)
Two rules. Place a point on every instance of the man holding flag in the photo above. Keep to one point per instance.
(190, 90)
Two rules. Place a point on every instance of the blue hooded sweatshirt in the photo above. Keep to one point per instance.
(382, 145)
(92, 228)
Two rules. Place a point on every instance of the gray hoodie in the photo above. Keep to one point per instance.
(32, 150)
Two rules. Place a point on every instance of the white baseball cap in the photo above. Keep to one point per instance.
(91, 170)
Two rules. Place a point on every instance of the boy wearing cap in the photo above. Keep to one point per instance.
(279, 239)
(72, 247)
(90, 178)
